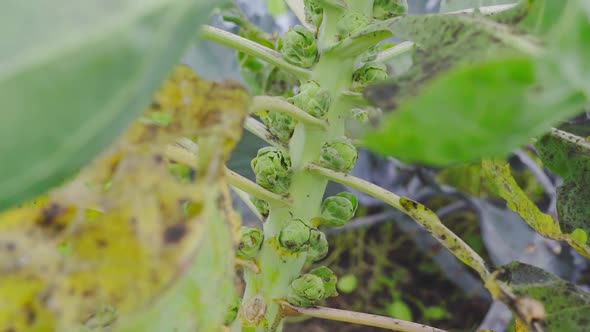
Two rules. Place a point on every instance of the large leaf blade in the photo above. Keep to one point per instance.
(74, 79)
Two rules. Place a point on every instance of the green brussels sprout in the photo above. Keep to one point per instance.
(318, 245)
(338, 156)
(306, 290)
(329, 279)
(313, 99)
(351, 23)
(261, 205)
(314, 13)
(338, 210)
(281, 125)
(280, 83)
(251, 239)
(298, 47)
(232, 311)
(384, 9)
(273, 169)
(295, 236)
(369, 73)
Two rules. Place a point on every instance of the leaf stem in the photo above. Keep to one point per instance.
(395, 51)
(254, 189)
(421, 214)
(254, 49)
(360, 318)
(298, 8)
(486, 10)
(260, 131)
(245, 197)
(184, 156)
(278, 104)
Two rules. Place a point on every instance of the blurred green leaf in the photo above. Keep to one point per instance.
(347, 283)
(399, 310)
(566, 305)
(74, 74)
(473, 111)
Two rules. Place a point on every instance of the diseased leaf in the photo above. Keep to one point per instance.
(569, 156)
(75, 75)
(498, 173)
(445, 41)
(566, 306)
(138, 234)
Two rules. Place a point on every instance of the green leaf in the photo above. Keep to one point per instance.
(472, 112)
(569, 156)
(455, 5)
(569, 46)
(445, 41)
(566, 305)
(74, 74)
(198, 301)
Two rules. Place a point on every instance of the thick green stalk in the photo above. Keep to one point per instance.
(277, 266)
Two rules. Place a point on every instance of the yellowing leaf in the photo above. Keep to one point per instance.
(131, 241)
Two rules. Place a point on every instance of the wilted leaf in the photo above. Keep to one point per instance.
(498, 173)
(138, 233)
(74, 74)
(565, 305)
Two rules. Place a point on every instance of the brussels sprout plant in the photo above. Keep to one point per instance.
(341, 57)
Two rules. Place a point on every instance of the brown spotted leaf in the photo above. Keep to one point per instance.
(135, 229)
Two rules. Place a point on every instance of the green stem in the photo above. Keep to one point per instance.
(278, 104)
(254, 49)
(259, 130)
(396, 51)
(255, 190)
(360, 318)
(421, 214)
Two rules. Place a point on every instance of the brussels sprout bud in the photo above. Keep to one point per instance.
(338, 210)
(329, 279)
(261, 205)
(318, 246)
(367, 74)
(314, 13)
(313, 99)
(384, 9)
(280, 125)
(295, 236)
(298, 47)
(351, 23)
(232, 311)
(250, 242)
(306, 290)
(273, 169)
(338, 156)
